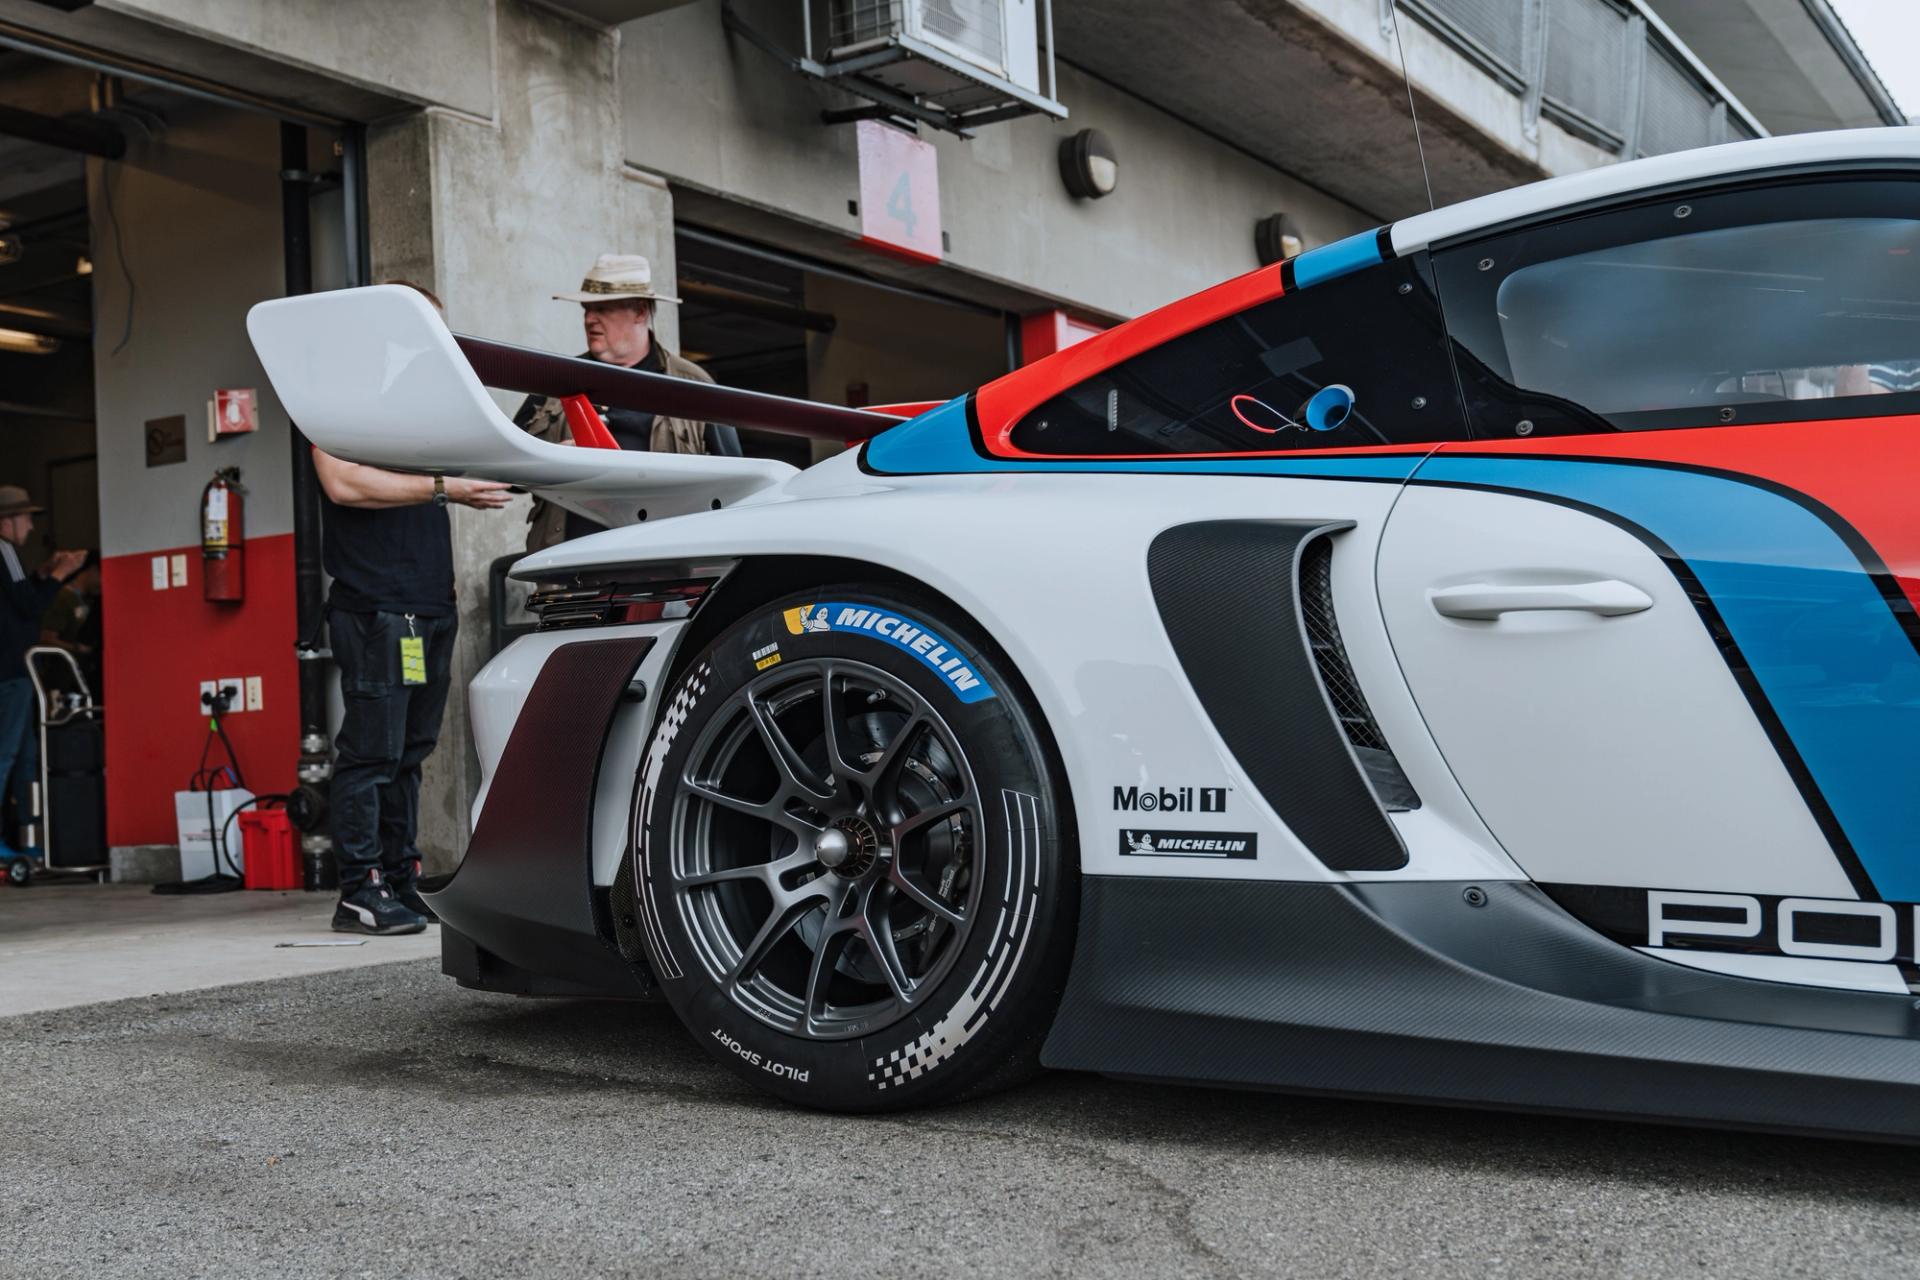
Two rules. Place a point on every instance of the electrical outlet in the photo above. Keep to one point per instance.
(253, 693)
(180, 569)
(236, 690)
(159, 573)
(208, 690)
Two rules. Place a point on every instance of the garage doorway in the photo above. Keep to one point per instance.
(763, 319)
(139, 219)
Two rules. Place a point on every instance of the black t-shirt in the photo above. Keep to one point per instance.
(390, 559)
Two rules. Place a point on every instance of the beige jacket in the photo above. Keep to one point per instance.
(547, 523)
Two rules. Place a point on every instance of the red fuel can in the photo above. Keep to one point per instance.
(270, 857)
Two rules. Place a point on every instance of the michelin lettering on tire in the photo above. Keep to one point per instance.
(904, 634)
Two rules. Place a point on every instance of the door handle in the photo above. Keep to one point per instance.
(1485, 601)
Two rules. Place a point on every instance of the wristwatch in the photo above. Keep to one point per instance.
(439, 491)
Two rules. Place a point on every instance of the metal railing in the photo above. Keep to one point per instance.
(1604, 70)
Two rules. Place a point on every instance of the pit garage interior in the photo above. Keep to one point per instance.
(138, 222)
(140, 218)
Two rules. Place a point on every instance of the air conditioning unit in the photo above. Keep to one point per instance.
(990, 35)
(954, 64)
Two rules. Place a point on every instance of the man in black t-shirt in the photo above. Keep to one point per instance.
(387, 545)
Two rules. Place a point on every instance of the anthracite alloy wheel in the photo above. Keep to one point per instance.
(852, 872)
(823, 866)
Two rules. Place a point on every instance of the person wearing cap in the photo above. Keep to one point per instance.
(24, 597)
(386, 542)
(617, 300)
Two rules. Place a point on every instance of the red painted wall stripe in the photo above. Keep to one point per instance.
(157, 647)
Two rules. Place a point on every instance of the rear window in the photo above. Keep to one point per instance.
(1694, 325)
(1238, 385)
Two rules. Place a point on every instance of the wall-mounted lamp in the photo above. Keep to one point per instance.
(11, 249)
(30, 344)
(1088, 165)
(1276, 239)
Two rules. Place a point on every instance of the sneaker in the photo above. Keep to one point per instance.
(406, 887)
(372, 908)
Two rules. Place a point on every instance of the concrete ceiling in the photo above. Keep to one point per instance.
(1790, 61)
(1270, 79)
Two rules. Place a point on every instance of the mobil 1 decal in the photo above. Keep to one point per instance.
(1748, 923)
(1170, 799)
(901, 632)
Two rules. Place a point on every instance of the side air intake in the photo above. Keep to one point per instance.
(1383, 770)
(1231, 597)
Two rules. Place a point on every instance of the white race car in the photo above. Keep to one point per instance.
(1475, 661)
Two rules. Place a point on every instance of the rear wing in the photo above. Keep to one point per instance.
(374, 376)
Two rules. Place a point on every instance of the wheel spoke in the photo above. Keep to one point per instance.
(945, 809)
(787, 913)
(768, 873)
(833, 712)
(826, 955)
(879, 940)
(895, 751)
(897, 877)
(766, 810)
(785, 758)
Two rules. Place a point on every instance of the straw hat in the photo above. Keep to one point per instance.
(15, 502)
(615, 276)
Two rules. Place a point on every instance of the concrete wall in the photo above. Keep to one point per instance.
(721, 117)
(496, 216)
(425, 51)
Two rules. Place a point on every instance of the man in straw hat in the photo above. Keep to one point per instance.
(24, 597)
(617, 300)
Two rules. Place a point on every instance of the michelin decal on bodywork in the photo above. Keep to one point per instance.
(902, 633)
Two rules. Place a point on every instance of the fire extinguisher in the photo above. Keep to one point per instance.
(223, 537)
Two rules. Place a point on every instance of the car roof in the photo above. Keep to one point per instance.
(1846, 148)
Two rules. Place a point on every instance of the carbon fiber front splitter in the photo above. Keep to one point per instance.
(1410, 990)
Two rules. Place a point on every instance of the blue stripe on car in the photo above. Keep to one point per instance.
(1828, 654)
(1340, 258)
(1811, 624)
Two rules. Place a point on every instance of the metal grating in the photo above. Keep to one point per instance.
(1676, 112)
(1377, 761)
(1329, 655)
(1586, 59)
(854, 22)
(1496, 25)
(975, 27)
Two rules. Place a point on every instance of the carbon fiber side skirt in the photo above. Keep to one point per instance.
(1411, 990)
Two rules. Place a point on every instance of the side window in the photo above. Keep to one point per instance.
(1787, 303)
(1239, 385)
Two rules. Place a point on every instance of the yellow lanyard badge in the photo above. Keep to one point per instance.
(413, 656)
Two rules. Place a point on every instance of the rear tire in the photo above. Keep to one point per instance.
(855, 872)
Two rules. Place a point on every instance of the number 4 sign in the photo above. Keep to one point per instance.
(899, 192)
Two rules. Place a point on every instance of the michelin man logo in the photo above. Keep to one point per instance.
(808, 617)
(902, 633)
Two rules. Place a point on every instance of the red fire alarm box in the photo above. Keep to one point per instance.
(234, 411)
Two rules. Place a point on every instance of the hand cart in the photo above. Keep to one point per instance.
(70, 800)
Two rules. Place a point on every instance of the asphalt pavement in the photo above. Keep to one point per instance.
(382, 1122)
